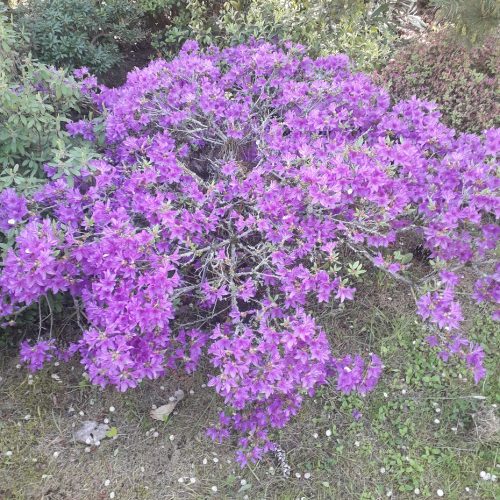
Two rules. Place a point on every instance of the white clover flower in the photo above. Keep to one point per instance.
(440, 493)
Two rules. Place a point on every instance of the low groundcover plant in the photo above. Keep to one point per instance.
(230, 185)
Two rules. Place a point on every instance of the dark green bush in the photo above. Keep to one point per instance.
(461, 80)
(75, 33)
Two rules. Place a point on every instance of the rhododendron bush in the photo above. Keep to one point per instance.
(231, 184)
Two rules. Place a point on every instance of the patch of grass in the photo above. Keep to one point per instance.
(426, 427)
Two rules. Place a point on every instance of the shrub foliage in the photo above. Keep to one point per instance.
(75, 33)
(233, 183)
(323, 26)
(35, 103)
(462, 81)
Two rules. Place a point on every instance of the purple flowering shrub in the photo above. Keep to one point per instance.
(230, 184)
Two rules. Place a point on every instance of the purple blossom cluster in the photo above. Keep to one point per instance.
(13, 209)
(230, 181)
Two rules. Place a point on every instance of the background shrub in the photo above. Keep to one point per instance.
(75, 33)
(355, 28)
(35, 102)
(462, 81)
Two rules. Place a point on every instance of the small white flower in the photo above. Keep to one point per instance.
(87, 449)
(467, 489)
(56, 454)
(81, 413)
(214, 489)
(106, 420)
(162, 387)
(386, 395)
(215, 460)
(243, 482)
(436, 420)
(382, 470)
(192, 480)
(440, 493)
(8, 453)
(111, 409)
(191, 391)
(356, 443)
(328, 433)
(403, 392)
(205, 461)
(389, 493)
(438, 410)
(107, 482)
(493, 478)
(482, 474)
(112, 494)
(143, 469)
(315, 435)
(27, 417)
(307, 475)
(298, 475)
(181, 480)
(416, 491)
(11, 222)
(171, 437)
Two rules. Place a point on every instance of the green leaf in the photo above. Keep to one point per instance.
(112, 432)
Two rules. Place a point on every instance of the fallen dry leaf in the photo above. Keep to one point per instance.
(162, 412)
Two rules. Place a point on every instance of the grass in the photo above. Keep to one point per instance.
(425, 428)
